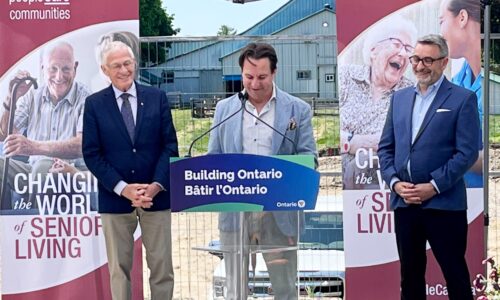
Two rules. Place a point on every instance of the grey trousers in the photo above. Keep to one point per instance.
(156, 236)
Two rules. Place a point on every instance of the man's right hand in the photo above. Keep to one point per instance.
(22, 86)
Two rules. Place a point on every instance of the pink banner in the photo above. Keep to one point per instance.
(367, 78)
(51, 238)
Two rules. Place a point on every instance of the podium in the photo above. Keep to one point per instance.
(260, 200)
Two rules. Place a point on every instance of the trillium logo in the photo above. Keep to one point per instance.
(301, 203)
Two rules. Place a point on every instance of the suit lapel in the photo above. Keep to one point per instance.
(408, 110)
(114, 111)
(141, 103)
(442, 94)
(282, 116)
(236, 124)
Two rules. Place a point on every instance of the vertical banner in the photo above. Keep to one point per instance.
(375, 40)
(52, 244)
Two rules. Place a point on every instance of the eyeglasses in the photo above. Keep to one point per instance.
(127, 64)
(426, 61)
(398, 44)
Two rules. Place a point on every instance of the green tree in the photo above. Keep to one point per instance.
(154, 21)
(225, 30)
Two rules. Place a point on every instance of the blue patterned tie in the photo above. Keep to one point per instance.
(127, 115)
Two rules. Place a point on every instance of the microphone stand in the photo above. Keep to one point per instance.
(10, 127)
(242, 99)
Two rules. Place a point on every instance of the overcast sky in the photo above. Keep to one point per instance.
(204, 17)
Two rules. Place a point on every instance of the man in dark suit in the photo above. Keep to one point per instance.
(428, 143)
(128, 139)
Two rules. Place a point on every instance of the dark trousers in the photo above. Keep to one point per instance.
(446, 232)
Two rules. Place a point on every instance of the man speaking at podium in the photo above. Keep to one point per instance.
(271, 122)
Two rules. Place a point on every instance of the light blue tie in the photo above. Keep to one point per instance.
(127, 115)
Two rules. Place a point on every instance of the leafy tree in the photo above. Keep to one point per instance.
(154, 21)
(225, 30)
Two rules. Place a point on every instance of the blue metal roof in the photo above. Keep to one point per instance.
(288, 14)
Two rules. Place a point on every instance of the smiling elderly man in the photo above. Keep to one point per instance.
(128, 139)
(48, 121)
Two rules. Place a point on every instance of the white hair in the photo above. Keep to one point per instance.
(114, 46)
(391, 27)
(50, 48)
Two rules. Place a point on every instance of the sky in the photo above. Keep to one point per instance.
(204, 17)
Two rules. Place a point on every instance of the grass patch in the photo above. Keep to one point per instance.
(494, 129)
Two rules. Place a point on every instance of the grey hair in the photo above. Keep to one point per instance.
(114, 46)
(48, 50)
(391, 27)
(436, 40)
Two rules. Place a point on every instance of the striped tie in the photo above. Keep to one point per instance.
(127, 115)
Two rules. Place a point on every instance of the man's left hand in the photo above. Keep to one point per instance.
(153, 189)
(18, 144)
(425, 191)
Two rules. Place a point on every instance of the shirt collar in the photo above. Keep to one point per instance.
(132, 91)
(434, 87)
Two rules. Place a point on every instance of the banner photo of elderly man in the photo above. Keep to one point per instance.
(377, 57)
(52, 242)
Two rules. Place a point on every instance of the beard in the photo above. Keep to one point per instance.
(425, 79)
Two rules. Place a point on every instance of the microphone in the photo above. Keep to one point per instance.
(245, 98)
(241, 97)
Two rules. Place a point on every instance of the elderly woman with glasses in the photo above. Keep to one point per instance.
(365, 91)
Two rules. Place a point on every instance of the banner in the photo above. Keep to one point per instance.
(52, 241)
(244, 182)
(375, 40)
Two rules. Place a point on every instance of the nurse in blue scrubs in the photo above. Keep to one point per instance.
(460, 26)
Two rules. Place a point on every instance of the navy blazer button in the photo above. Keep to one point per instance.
(133, 171)
(134, 150)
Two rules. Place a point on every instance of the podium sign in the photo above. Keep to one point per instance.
(243, 182)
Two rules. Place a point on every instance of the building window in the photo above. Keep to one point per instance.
(168, 76)
(329, 77)
(303, 75)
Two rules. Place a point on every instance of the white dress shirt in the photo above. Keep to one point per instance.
(257, 137)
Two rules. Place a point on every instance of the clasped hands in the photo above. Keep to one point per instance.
(414, 193)
(141, 194)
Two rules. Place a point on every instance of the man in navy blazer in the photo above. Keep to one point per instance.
(128, 139)
(428, 143)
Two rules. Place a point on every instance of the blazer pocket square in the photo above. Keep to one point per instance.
(442, 110)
